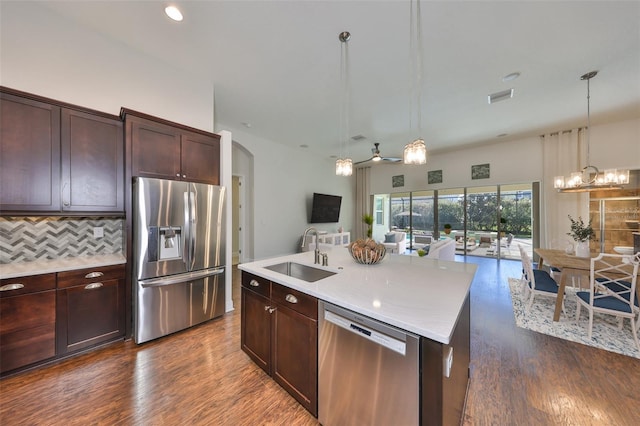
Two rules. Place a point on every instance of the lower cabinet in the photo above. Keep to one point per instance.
(280, 334)
(48, 316)
(27, 320)
(90, 307)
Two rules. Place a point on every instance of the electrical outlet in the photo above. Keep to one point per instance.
(98, 232)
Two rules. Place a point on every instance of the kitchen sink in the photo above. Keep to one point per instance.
(300, 271)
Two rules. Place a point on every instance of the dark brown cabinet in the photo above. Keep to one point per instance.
(55, 157)
(92, 162)
(27, 320)
(90, 307)
(165, 150)
(29, 154)
(280, 333)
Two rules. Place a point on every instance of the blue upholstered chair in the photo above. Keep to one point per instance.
(612, 290)
(536, 282)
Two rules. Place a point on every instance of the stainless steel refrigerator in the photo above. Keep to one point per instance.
(179, 253)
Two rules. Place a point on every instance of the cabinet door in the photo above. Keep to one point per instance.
(255, 336)
(27, 320)
(29, 155)
(201, 158)
(155, 149)
(92, 163)
(89, 314)
(295, 362)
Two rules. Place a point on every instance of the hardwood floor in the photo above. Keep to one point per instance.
(200, 376)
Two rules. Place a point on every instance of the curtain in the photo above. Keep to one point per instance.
(562, 153)
(363, 201)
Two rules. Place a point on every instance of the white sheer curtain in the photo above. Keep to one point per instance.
(363, 201)
(562, 153)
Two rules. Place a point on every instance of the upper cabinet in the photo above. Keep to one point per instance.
(92, 163)
(165, 150)
(29, 155)
(59, 159)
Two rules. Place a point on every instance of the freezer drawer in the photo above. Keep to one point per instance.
(368, 372)
(169, 304)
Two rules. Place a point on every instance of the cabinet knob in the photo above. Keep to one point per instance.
(177, 174)
(15, 286)
(272, 310)
(254, 283)
(291, 298)
(92, 286)
(184, 176)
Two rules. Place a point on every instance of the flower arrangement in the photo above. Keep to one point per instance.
(581, 231)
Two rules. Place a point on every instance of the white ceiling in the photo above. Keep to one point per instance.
(276, 65)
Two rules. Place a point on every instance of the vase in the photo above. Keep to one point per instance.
(582, 249)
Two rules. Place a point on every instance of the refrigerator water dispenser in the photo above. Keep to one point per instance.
(169, 244)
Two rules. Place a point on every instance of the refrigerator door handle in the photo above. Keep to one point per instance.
(180, 278)
(186, 235)
(192, 226)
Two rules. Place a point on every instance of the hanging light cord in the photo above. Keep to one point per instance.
(588, 120)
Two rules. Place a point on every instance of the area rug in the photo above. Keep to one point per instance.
(540, 319)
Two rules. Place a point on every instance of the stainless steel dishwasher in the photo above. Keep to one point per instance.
(368, 372)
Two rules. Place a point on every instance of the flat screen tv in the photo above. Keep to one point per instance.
(325, 208)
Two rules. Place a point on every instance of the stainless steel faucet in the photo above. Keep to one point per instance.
(316, 252)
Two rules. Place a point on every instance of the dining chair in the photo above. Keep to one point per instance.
(537, 282)
(612, 290)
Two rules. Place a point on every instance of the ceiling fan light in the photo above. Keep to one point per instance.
(376, 157)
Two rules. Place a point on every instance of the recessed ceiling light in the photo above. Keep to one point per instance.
(510, 77)
(247, 125)
(173, 13)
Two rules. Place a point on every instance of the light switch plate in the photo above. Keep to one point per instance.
(98, 232)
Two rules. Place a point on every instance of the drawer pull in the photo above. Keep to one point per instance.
(8, 287)
(92, 286)
(94, 275)
(272, 310)
(291, 298)
(254, 283)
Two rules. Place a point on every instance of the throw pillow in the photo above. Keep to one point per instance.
(390, 237)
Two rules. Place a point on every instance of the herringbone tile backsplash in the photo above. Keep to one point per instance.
(25, 239)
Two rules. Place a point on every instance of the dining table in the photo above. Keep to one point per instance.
(569, 265)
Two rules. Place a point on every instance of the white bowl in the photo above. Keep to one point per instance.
(623, 249)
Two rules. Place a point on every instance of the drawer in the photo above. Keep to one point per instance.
(257, 284)
(90, 275)
(28, 284)
(293, 299)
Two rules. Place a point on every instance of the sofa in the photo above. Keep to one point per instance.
(395, 242)
(443, 249)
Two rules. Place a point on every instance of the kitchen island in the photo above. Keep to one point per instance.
(425, 297)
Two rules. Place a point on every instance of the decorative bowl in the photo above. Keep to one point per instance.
(367, 252)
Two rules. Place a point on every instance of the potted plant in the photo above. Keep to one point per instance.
(581, 234)
(503, 226)
(422, 252)
(368, 219)
(447, 228)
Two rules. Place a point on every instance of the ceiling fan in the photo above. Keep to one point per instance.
(377, 157)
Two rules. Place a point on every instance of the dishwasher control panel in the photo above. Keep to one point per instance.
(370, 334)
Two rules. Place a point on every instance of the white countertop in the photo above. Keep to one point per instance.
(420, 295)
(21, 269)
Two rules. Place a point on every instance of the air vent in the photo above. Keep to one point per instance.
(500, 96)
(358, 137)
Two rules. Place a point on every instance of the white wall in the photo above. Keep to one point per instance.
(284, 181)
(613, 145)
(45, 54)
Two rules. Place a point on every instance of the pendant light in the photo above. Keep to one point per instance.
(344, 164)
(416, 152)
(590, 178)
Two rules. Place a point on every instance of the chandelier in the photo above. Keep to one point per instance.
(344, 165)
(416, 152)
(590, 178)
